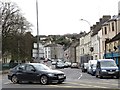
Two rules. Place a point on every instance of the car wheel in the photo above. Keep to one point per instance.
(44, 80)
(14, 79)
(96, 76)
(101, 77)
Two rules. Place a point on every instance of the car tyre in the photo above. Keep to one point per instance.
(101, 77)
(44, 79)
(117, 77)
(96, 76)
(14, 79)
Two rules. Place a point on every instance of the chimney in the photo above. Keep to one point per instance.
(97, 23)
(100, 20)
(106, 16)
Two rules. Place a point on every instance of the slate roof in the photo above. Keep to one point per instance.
(53, 45)
(99, 24)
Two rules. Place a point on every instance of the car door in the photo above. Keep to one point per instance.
(31, 73)
(21, 72)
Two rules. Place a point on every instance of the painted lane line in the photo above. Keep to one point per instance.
(80, 76)
(101, 83)
(86, 85)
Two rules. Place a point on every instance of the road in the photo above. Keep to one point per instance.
(75, 79)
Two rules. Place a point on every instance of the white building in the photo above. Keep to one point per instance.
(47, 52)
(85, 45)
(35, 51)
(110, 29)
(53, 51)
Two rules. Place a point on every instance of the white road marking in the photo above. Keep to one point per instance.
(80, 76)
(80, 85)
(86, 85)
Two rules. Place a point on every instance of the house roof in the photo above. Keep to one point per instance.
(53, 45)
(99, 24)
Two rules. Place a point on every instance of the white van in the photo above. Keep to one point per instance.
(90, 64)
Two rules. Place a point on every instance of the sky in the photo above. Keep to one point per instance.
(58, 17)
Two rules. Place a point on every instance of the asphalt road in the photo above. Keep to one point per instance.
(75, 79)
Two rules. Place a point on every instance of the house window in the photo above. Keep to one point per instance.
(83, 50)
(110, 47)
(105, 30)
(113, 26)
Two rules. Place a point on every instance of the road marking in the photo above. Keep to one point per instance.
(84, 86)
(87, 85)
(101, 83)
(80, 76)
(67, 86)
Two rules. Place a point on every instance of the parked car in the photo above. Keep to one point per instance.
(107, 67)
(35, 72)
(74, 65)
(67, 64)
(90, 63)
(53, 63)
(60, 65)
(84, 67)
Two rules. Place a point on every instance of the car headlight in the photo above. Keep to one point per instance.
(51, 74)
(103, 70)
(117, 70)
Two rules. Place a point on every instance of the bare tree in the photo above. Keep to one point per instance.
(14, 25)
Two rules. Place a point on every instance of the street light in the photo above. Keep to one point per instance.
(86, 21)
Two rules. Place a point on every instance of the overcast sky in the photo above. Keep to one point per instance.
(63, 16)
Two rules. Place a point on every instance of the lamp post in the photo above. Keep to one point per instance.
(90, 35)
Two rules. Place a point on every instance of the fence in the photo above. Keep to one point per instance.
(7, 66)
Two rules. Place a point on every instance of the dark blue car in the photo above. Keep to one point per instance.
(35, 72)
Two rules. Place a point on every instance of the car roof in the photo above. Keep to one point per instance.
(105, 60)
(34, 63)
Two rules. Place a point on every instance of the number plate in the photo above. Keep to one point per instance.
(110, 72)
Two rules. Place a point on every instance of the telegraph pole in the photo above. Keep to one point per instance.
(37, 31)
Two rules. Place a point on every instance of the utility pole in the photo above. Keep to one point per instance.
(38, 58)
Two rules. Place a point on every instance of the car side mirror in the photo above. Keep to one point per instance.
(21, 69)
(33, 70)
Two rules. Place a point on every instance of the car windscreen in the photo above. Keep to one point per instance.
(40, 67)
(108, 64)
